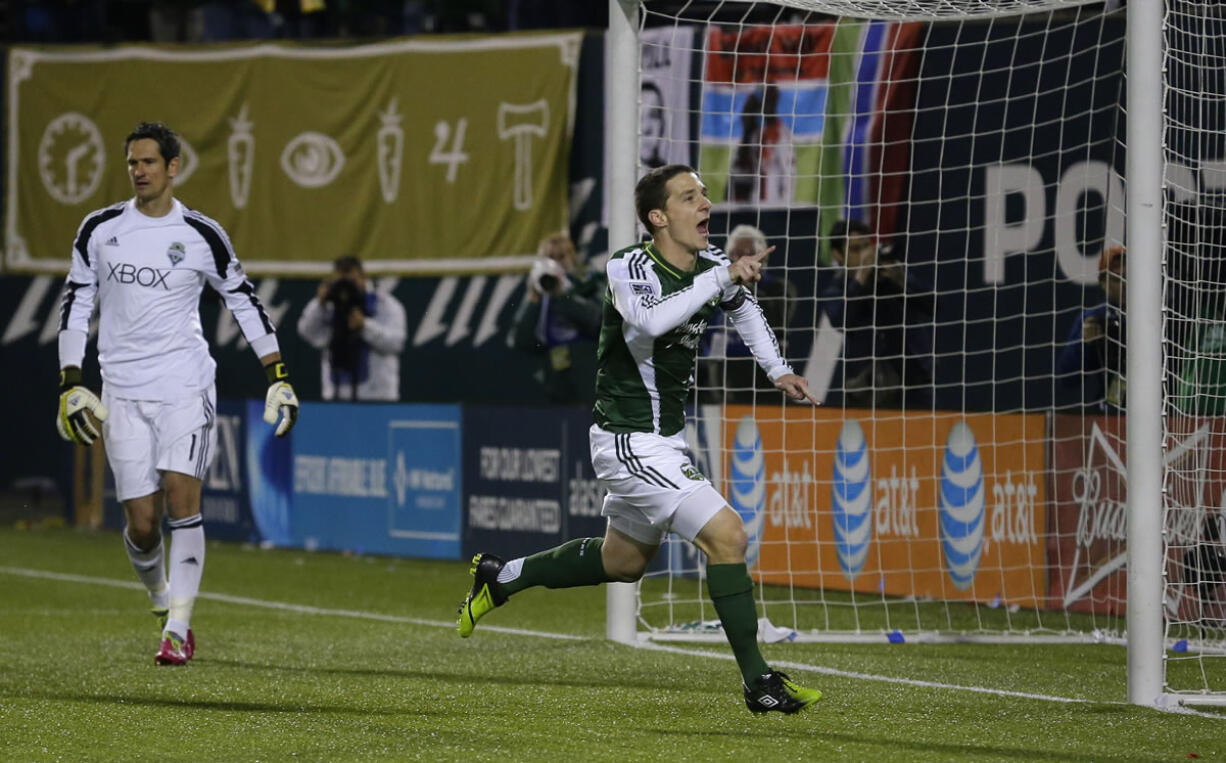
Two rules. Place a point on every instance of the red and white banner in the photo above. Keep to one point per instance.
(1087, 549)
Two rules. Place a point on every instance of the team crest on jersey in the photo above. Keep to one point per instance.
(691, 473)
(643, 289)
(176, 253)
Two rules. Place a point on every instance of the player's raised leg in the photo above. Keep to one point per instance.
(579, 562)
(723, 541)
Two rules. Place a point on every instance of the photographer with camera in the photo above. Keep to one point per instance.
(886, 316)
(559, 320)
(1093, 360)
(360, 332)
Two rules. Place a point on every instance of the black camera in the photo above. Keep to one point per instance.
(345, 348)
(344, 294)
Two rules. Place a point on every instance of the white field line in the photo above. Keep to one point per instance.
(281, 605)
(360, 615)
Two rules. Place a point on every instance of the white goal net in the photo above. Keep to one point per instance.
(945, 183)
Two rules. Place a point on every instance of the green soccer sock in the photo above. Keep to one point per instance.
(572, 564)
(731, 591)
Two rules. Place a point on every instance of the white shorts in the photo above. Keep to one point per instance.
(145, 437)
(653, 485)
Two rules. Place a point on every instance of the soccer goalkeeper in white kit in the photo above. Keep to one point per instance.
(144, 263)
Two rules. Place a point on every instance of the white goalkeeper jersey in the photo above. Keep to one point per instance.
(146, 275)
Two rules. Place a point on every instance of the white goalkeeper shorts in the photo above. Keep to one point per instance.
(145, 437)
(653, 485)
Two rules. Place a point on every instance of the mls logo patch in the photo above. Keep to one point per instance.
(644, 289)
(176, 253)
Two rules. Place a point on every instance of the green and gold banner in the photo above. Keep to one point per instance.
(441, 155)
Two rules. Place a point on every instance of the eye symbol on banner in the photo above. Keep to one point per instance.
(71, 158)
(176, 253)
(240, 155)
(188, 162)
(520, 122)
(312, 160)
(390, 140)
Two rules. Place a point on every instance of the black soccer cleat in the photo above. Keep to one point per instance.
(485, 594)
(775, 692)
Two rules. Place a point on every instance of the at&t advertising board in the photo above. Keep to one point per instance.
(943, 506)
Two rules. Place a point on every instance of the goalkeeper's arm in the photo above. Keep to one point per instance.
(280, 402)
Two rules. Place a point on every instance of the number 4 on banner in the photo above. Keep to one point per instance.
(452, 158)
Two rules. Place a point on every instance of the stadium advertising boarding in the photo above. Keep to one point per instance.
(942, 506)
(382, 479)
(1088, 554)
(416, 155)
(529, 482)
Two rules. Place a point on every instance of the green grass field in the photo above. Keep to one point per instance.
(327, 657)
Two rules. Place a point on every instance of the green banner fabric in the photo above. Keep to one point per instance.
(430, 156)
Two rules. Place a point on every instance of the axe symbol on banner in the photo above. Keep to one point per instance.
(520, 122)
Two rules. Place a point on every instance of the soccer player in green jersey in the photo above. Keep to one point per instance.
(656, 307)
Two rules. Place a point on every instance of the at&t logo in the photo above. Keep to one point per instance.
(962, 506)
(748, 478)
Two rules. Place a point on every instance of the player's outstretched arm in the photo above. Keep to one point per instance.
(796, 387)
(280, 402)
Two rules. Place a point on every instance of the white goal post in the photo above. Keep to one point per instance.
(981, 144)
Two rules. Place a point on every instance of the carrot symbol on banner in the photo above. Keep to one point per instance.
(240, 151)
(390, 140)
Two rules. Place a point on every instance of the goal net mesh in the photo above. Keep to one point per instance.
(944, 183)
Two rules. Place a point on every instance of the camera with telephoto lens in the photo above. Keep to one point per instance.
(546, 275)
(345, 348)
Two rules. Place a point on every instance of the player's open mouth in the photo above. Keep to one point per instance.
(703, 227)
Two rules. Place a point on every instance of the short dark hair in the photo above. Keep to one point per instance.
(167, 140)
(348, 262)
(650, 193)
(842, 229)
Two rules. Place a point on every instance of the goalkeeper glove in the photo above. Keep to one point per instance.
(81, 413)
(280, 402)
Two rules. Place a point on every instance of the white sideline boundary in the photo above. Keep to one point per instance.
(642, 644)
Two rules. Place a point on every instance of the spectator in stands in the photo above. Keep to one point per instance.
(727, 369)
(559, 321)
(886, 316)
(361, 333)
(1093, 360)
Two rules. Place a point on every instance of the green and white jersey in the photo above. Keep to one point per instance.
(654, 318)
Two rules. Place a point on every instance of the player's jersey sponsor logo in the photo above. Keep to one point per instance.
(175, 253)
(748, 488)
(131, 275)
(851, 499)
(962, 506)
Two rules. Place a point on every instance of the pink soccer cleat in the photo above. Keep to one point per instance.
(174, 650)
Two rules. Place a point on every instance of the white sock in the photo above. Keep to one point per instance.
(511, 570)
(186, 567)
(150, 569)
